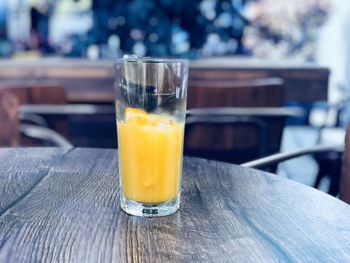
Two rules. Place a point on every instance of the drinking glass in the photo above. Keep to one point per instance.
(151, 110)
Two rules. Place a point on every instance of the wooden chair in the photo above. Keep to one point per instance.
(246, 131)
(39, 94)
(9, 131)
(11, 128)
(243, 93)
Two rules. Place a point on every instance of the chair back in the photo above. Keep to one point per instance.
(238, 140)
(345, 179)
(37, 93)
(244, 93)
(32, 93)
(9, 131)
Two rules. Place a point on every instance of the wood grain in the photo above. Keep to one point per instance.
(228, 214)
(21, 171)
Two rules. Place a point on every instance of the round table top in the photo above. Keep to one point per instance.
(61, 205)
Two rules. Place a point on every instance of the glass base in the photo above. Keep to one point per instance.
(149, 210)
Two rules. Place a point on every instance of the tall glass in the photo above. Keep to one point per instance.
(151, 109)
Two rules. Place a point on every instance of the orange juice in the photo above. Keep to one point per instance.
(150, 156)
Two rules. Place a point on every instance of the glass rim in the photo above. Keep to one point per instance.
(150, 60)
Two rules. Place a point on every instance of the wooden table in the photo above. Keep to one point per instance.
(93, 81)
(61, 205)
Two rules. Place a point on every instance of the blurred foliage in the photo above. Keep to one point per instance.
(147, 28)
(285, 29)
(169, 27)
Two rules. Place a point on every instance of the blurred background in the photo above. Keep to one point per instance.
(311, 30)
(57, 59)
(105, 29)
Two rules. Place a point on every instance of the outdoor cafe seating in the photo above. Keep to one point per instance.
(174, 131)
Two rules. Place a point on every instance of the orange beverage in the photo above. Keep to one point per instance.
(150, 108)
(150, 156)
